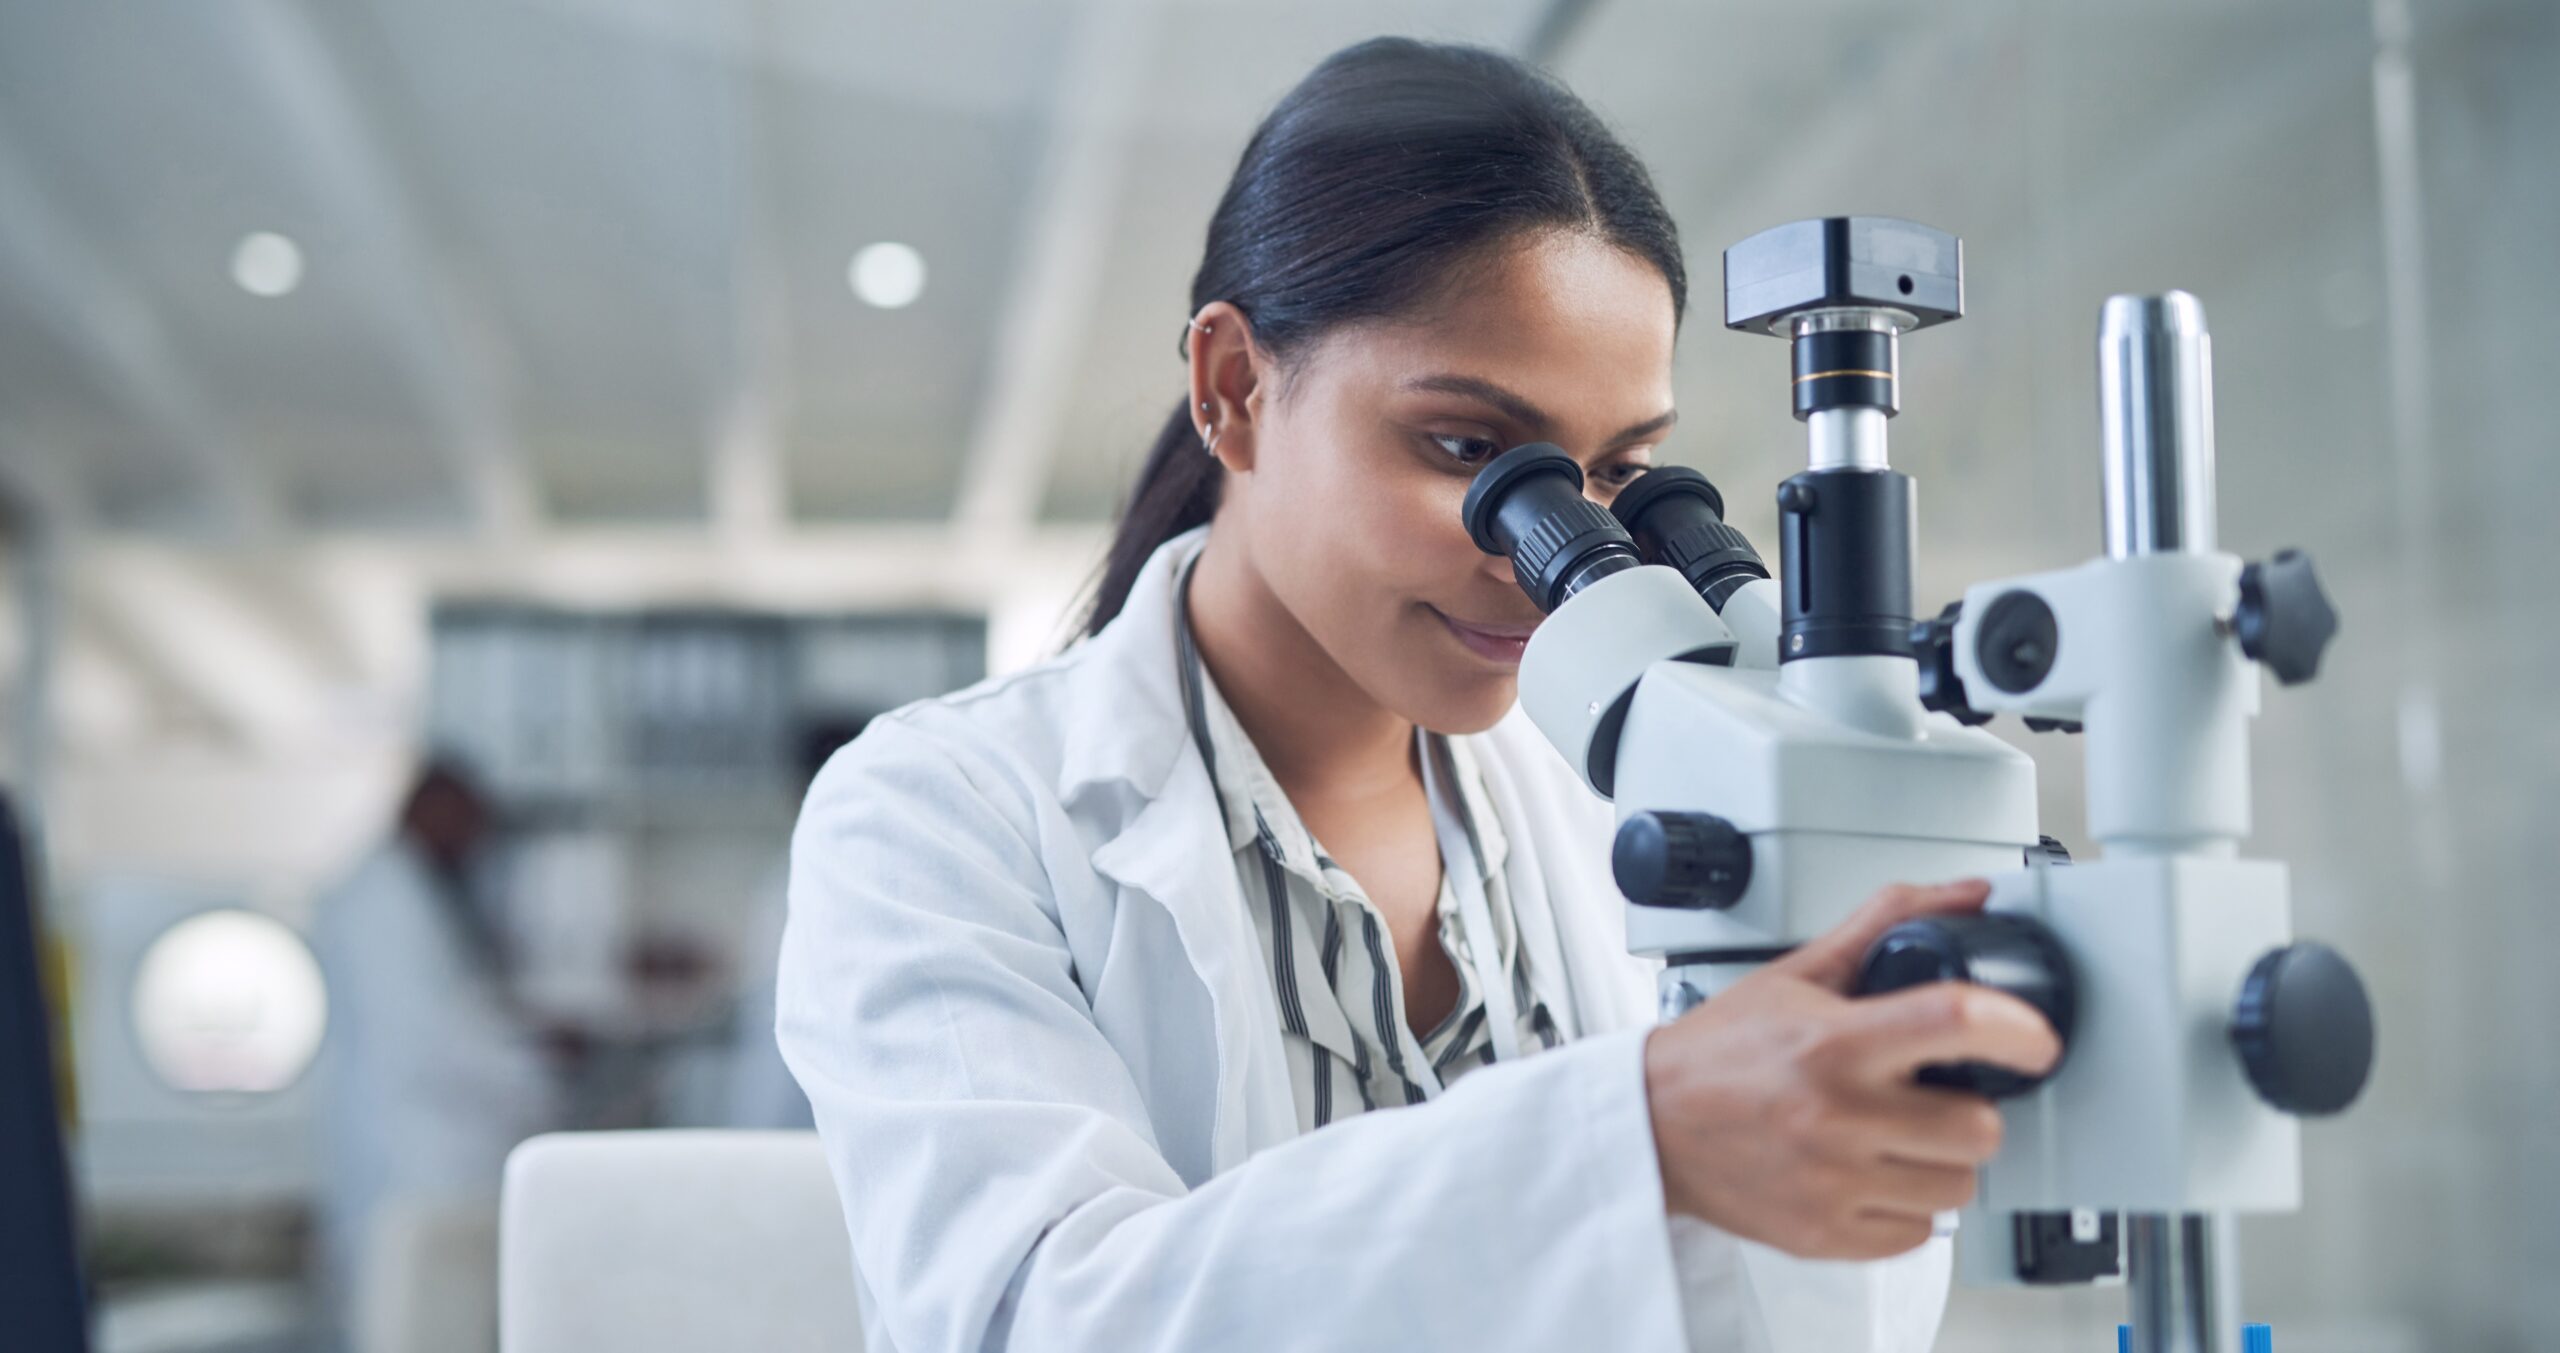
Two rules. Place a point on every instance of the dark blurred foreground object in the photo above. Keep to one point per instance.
(41, 1300)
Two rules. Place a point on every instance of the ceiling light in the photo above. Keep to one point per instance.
(887, 275)
(266, 264)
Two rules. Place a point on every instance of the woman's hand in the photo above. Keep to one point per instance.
(1785, 1112)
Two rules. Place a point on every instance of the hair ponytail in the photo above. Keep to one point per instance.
(1389, 167)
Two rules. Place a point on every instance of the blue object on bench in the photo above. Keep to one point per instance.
(2253, 1339)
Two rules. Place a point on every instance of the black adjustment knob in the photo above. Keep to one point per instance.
(2001, 950)
(2017, 642)
(1695, 861)
(2284, 620)
(2304, 1030)
(1933, 646)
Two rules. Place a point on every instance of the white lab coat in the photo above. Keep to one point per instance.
(1020, 988)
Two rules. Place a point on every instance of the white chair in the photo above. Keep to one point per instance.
(674, 1242)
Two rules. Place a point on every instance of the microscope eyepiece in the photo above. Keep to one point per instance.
(1676, 517)
(1527, 503)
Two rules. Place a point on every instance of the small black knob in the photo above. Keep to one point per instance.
(2284, 620)
(1933, 646)
(1694, 861)
(2304, 1030)
(2017, 641)
(2001, 950)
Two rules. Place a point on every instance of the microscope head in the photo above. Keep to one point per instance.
(1611, 617)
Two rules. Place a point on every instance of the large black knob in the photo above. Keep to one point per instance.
(2001, 950)
(2304, 1030)
(1527, 504)
(1933, 646)
(2284, 620)
(1693, 861)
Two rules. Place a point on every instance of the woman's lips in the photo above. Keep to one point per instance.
(1494, 643)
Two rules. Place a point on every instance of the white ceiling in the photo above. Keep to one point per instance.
(575, 314)
(566, 256)
(581, 261)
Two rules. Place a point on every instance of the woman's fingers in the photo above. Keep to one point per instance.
(1887, 1038)
(1832, 959)
(1871, 1234)
(1912, 1189)
(1930, 1126)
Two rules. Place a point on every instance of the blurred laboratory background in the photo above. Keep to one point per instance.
(465, 460)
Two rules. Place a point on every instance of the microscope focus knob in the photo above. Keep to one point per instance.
(2001, 950)
(2284, 619)
(1933, 647)
(2303, 1028)
(1694, 861)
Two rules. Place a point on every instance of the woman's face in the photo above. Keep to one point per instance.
(1361, 456)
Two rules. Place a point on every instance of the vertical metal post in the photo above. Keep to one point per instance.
(2176, 1279)
(2155, 423)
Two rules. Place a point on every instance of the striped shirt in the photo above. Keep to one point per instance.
(1332, 965)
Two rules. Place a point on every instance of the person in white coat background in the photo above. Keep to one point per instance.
(1250, 976)
(430, 1075)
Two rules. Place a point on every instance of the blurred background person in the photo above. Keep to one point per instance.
(431, 1074)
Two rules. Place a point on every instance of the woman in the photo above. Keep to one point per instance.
(1249, 976)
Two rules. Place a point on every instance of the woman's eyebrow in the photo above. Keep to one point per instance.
(1520, 410)
(1660, 422)
(1513, 406)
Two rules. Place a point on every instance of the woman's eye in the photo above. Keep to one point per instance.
(1467, 450)
(1621, 474)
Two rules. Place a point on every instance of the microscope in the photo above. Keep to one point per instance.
(1781, 747)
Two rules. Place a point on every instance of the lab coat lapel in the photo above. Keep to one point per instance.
(1126, 734)
(1174, 855)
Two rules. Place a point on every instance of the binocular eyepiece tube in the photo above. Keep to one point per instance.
(1527, 503)
(1676, 517)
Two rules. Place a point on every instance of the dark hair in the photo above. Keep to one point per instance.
(1385, 171)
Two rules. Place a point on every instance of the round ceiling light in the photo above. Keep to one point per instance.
(888, 275)
(266, 264)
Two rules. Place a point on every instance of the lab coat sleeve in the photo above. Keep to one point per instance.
(1001, 1181)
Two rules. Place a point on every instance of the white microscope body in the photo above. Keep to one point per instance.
(1781, 748)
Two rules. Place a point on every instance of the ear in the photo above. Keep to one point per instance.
(1229, 373)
